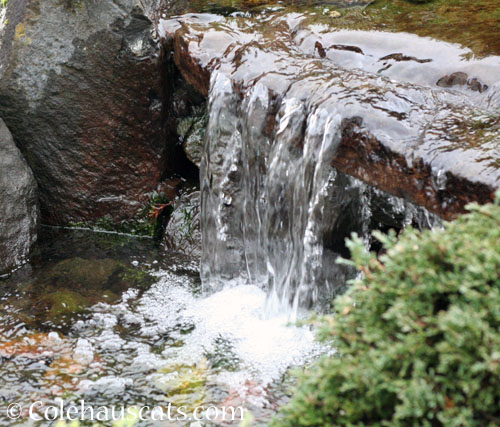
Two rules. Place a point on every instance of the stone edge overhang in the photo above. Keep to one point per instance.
(361, 155)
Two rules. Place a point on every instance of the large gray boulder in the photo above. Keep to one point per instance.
(18, 204)
(82, 91)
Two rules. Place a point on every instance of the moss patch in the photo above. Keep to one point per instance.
(69, 287)
(185, 384)
(472, 24)
(141, 225)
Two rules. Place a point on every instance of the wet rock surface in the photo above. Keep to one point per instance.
(19, 214)
(183, 233)
(192, 132)
(462, 79)
(415, 141)
(313, 134)
(81, 90)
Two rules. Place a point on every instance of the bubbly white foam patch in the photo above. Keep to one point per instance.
(264, 345)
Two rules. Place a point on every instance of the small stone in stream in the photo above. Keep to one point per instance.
(462, 79)
(183, 229)
(455, 79)
(321, 50)
(84, 352)
(251, 392)
(475, 85)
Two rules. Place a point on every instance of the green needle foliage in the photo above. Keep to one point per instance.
(417, 338)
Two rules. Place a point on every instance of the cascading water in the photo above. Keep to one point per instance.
(272, 202)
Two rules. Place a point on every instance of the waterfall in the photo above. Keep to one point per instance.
(274, 211)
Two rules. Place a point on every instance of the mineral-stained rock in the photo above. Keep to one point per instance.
(18, 204)
(81, 90)
(435, 147)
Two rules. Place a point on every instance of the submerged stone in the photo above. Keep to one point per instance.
(61, 303)
(35, 346)
(61, 292)
(184, 384)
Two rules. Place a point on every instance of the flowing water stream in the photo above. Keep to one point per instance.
(115, 320)
(271, 203)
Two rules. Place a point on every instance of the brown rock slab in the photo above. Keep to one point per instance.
(435, 147)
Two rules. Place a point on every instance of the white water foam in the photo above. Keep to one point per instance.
(265, 345)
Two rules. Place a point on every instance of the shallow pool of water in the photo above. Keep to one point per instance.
(114, 320)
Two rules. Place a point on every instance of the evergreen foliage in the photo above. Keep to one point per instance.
(417, 338)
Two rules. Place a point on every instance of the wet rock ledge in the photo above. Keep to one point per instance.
(400, 130)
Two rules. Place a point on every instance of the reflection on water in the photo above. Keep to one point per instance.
(113, 320)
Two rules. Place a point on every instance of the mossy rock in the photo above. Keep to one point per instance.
(227, 6)
(62, 303)
(92, 277)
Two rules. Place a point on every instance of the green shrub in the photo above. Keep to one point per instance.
(417, 338)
